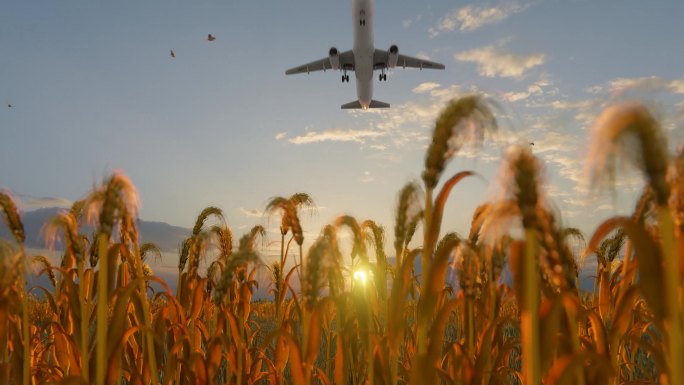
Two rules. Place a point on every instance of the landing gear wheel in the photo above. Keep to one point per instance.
(346, 78)
(384, 77)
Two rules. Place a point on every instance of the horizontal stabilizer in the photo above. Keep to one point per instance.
(373, 104)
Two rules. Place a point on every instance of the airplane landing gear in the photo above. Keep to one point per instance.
(382, 77)
(345, 78)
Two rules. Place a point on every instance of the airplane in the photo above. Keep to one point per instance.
(364, 59)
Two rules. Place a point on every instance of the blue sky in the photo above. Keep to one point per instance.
(94, 89)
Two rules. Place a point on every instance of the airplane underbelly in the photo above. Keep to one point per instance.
(363, 50)
(364, 76)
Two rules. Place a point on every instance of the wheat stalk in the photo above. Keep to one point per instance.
(612, 132)
(16, 227)
(464, 119)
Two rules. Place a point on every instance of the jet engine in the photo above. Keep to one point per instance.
(334, 55)
(392, 56)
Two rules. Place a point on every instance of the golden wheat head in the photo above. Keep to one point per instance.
(12, 218)
(408, 214)
(150, 248)
(520, 175)
(359, 241)
(294, 224)
(313, 278)
(464, 119)
(117, 196)
(47, 267)
(303, 200)
(675, 178)
(476, 223)
(77, 209)
(184, 254)
(204, 215)
(238, 261)
(629, 130)
(67, 222)
(289, 216)
(378, 233)
(225, 240)
(248, 241)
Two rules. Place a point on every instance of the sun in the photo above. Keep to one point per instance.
(361, 276)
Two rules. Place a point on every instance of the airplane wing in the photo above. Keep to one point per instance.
(381, 60)
(346, 63)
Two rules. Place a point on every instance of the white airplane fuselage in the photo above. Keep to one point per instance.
(362, 15)
(363, 59)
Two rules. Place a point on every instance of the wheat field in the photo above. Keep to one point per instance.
(352, 313)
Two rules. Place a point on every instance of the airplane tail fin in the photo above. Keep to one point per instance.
(373, 104)
(378, 104)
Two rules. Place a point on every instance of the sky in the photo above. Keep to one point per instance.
(93, 89)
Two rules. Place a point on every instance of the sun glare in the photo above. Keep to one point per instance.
(361, 276)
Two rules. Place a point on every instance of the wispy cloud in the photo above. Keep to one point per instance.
(584, 111)
(472, 17)
(645, 84)
(677, 86)
(425, 87)
(408, 126)
(423, 55)
(336, 135)
(579, 113)
(662, 95)
(281, 135)
(29, 203)
(532, 89)
(606, 207)
(596, 89)
(408, 22)
(555, 141)
(405, 126)
(367, 177)
(492, 61)
(253, 213)
(571, 105)
(550, 120)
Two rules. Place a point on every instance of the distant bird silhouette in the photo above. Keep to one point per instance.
(211, 37)
(173, 54)
(531, 143)
(9, 105)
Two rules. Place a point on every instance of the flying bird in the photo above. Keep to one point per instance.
(211, 37)
(173, 54)
(531, 143)
(9, 105)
